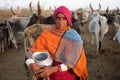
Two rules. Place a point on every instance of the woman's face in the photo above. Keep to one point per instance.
(61, 22)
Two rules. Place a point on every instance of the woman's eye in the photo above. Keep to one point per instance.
(61, 18)
(58, 18)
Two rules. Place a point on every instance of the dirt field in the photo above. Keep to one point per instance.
(104, 66)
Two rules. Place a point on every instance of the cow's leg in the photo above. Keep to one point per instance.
(11, 37)
(93, 38)
(26, 67)
(97, 42)
(15, 43)
(114, 38)
(81, 29)
(118, 38)
(2, 47)
(101, 38)
(25, 44)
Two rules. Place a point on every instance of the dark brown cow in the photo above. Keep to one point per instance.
(37, 18)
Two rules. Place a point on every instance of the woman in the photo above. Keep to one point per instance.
(65, 47)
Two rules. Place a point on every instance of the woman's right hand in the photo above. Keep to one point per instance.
(34, 67)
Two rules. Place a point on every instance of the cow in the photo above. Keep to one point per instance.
(98, 27)
(79, 18)
(117, 16)
(15, 25)
(109, 15)
(117, 24)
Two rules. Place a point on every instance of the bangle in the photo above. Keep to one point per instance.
(59, 68)
(63, 67)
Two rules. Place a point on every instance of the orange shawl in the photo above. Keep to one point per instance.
(49, 40)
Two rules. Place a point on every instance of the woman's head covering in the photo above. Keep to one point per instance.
(65, 11)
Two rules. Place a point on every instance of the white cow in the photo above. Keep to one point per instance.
(117, 24)
(98, 27)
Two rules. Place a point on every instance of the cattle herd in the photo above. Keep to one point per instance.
(16, 29)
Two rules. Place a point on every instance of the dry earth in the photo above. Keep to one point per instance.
(104, 66)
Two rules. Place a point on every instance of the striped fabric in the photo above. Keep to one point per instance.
(70, 48)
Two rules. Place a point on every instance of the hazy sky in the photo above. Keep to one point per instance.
(71, 4)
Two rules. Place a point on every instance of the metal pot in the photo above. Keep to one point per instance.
(42, 58)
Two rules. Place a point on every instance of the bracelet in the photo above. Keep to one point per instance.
(29, 61)
(63, 67)
(59, 68)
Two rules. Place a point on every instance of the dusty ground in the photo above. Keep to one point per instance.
(104, 66)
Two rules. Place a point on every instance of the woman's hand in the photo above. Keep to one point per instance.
(46, 71)
(34, 67)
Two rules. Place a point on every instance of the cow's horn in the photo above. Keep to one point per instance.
(99, 6)
(14, 12)
(117, 10)
(39, 9)
(107, 10)
(31, 8)
(91, 8)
